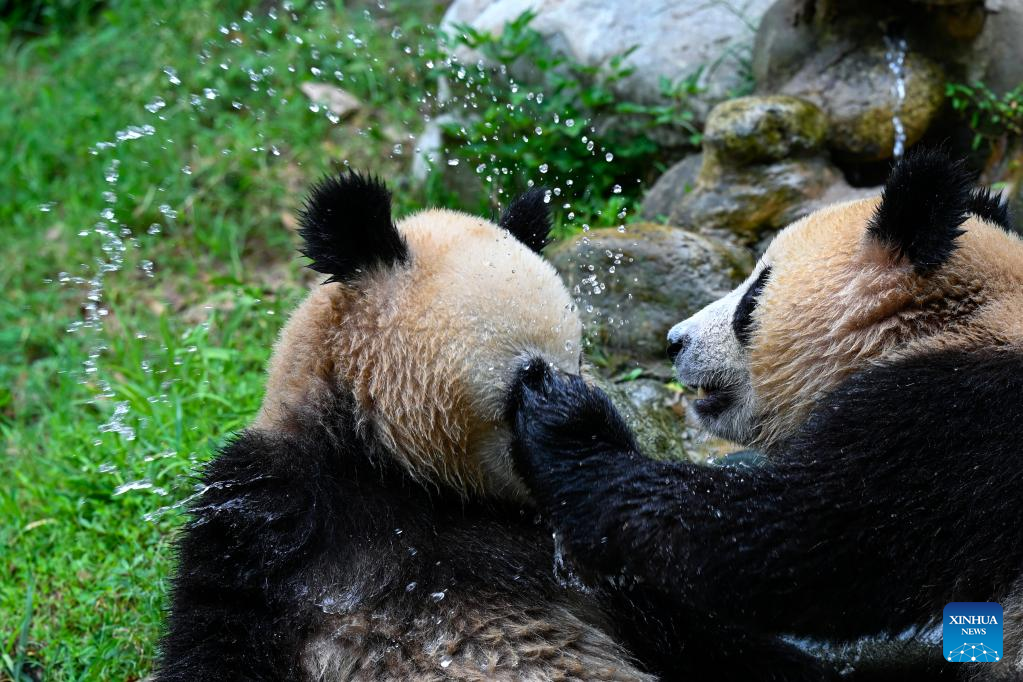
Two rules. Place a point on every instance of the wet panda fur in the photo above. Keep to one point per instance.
(368, 525)
(875, 355)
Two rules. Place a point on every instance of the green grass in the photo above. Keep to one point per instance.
(83, 569)
(156, 152)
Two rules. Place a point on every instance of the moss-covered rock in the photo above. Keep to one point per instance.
(762, 159)
(749, 202)
(762, 129)
(633, 286)
(656, 414)
(856, 91)
(646, 406)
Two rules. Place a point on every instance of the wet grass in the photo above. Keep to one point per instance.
(209, 198)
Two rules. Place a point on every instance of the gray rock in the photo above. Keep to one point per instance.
(632, 286)
(835, 55)
(995, 57)
(784, 40)
(840, 191)
(855, 88)
(673, 38)
(669, 189)
(793, 33)
(648, 407)
(339, 102)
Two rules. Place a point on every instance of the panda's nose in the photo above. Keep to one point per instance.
(679, 338)
(677, 346)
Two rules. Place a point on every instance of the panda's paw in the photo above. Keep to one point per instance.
(562, 427)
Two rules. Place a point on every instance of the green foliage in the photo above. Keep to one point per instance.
(39, 16)
(629, 375)
(990, 116)
(533, 114)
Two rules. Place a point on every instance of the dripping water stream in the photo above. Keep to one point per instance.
(895, 56)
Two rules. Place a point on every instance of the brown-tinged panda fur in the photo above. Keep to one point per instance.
(429, 349)
(856, 305)
(368, 525)
(875, 355)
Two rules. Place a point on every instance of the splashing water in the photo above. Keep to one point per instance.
(895, 55)
(130, 221)
(563, 573)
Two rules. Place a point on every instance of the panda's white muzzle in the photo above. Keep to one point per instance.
(709, 359)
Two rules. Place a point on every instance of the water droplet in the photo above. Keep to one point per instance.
(134, 132)
(156, 105)
(116, 423)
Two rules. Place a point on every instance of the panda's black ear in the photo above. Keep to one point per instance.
(923, 205)
(991, 208)
(347, 227)
(528, 218)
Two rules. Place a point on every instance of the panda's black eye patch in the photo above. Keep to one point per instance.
(743, 318)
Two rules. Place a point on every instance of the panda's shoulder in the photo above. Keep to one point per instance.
(939, 400)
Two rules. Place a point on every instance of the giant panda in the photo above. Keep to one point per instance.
(875, 356)
(368, 525)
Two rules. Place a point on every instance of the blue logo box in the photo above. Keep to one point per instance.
(971, 632)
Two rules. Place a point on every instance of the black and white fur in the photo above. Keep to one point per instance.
(900, 492)
(316, 550)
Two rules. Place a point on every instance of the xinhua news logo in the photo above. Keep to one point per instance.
(971, 632)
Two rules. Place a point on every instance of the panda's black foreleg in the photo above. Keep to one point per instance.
(263, 515)
(676, 642)
(889, 504)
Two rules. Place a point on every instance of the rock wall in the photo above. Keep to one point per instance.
(670, 39)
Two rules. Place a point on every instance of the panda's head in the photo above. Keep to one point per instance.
(424, 323)
(930, 265)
